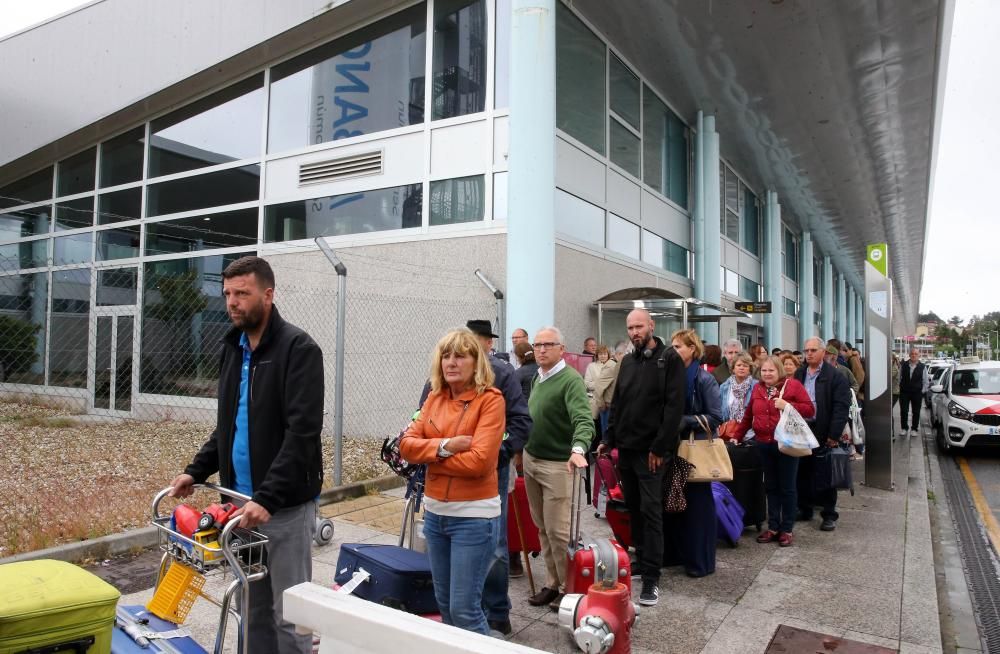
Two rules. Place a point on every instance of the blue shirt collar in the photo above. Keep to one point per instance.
(244, 341)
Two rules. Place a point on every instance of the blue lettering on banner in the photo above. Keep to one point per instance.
(362, 50)
(345, 70)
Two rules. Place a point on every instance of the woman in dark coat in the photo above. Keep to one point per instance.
(690, 537)
(529, 368)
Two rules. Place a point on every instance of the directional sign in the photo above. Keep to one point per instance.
(754, 307)
(878, 256)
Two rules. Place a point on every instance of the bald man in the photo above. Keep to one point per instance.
(646, 410)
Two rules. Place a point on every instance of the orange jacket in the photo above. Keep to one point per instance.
(469, 475)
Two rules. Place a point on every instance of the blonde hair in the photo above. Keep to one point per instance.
(690, 338)
(776, 362)
(742, 357)
(461, 342)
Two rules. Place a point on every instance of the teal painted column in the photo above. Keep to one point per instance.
(851, 305)
(841, 308)
(532, 174)
(708, 238)
(807, 327)
(772, 270)
(827, 298)
(859, 318)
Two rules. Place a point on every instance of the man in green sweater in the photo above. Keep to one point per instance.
(560, 437)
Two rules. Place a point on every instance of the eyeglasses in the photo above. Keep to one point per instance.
(815, 349)
(544, 346)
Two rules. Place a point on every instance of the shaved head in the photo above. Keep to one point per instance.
(640, 328)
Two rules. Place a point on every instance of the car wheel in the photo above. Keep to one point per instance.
(939, 434)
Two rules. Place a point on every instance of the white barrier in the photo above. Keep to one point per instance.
(350, 625)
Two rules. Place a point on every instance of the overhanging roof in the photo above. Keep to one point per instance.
(829, 103)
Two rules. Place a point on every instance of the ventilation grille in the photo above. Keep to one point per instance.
(333, 170)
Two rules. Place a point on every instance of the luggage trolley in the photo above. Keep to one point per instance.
(241, 551)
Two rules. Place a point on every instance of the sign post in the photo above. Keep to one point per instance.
(878, 383)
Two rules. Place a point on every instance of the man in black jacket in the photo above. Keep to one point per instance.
(831, 395)
(266, 443)
(646, 411)
(911, 391)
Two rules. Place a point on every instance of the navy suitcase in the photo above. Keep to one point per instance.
(122, 643)
(400, 577)
(747, 485)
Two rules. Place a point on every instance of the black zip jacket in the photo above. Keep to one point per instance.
(833, 402)
(911, 378)
(648, 402)
(285, 407)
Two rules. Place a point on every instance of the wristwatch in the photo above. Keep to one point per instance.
(577, 449)
(442, 452)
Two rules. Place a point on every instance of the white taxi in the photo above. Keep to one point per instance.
(967, 405)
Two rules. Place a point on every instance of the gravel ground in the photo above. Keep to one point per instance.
(65, 477)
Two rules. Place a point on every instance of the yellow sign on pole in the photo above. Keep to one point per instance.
(878, 256)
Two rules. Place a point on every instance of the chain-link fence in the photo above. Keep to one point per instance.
(143, 340)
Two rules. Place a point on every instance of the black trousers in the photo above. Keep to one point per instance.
(908, 400)
(644, 498)
(808, 497)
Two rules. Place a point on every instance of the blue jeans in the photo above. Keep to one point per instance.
(496, 602)
(460, 551)
(780, 473)
(604, 415)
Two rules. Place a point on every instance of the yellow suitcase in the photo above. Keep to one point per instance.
(48, 604)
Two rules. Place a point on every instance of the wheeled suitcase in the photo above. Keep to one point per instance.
(531, 541)
(142, 622)
(581, 558)
(606, 468)
(613, 500)
(54, 606)
(399, 577)
(747, 485)
(729, 514)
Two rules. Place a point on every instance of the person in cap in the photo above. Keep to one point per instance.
(832, 354)
(496, 601)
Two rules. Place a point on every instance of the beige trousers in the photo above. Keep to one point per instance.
(550, 486)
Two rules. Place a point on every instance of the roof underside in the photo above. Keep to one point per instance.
(831, 104)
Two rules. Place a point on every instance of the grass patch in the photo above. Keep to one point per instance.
(42, 421)
(930, 496)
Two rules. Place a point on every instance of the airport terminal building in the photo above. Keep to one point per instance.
(725, 151)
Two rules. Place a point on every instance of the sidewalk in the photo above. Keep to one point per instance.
(872, 580)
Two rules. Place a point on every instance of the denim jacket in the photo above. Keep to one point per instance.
(707, 403)
(724, 397)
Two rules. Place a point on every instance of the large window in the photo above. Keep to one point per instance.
(459, 72)
(223, 230)
(580, 75)
(24, 222)
(29, 254)
(791, 307)
(69, 325)
(220, 128)
(460, 200)
(76, 174)
(665, 149)
(368, 81)
(354, 213)
(624, 117)
(22, 324)
(751, 222)
(36, 187)
(818, 277)
(790, 252)
(73, 214)
(664, 253)
(623, 236)
(502, 57)
(739, 217)
(202, 191)
(121, 158)
(183, 319)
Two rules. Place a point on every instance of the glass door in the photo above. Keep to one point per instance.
(112, 333)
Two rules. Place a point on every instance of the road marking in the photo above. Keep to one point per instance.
(985, 514)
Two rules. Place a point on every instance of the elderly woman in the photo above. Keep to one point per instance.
(768, 400)
(690, 537)
(789, 364)
(458, 435)
(758, 353)
(735, 393)
(598, 380)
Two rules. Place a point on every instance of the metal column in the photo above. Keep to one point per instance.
(878, 391)
(772, 270)
(708, 238)
(806, 310)
(827, 298)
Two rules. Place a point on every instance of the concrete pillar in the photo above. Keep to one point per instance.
(772, 270)
(841, 330)
(859, 327)
(807, 327)
(707, 235)
(530, 292)
(827, 298)
(851, 305)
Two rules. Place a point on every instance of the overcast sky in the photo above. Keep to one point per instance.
(963, 251)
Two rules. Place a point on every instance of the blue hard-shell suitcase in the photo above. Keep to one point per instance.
(729, 514)
(400, 577)
(122, 643)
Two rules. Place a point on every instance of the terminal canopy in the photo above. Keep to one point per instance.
(666, 308)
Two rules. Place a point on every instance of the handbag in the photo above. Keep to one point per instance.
(793, 434)
(709, 457)
(673, 485)
(728, 428)
(857, 425)
(833, 470)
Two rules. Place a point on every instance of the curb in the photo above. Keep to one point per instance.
(106, 547)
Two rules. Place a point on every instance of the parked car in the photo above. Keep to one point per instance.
(932, 372)
(967, 405)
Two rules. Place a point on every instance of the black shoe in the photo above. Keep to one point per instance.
(503, 626)
(650, 594)
(803, 517)
(516, 568)
(829, 524)
(542, 597)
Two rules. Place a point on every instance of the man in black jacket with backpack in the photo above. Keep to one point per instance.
(266, 443)
(646, 411)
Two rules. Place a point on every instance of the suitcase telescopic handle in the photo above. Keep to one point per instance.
(576, 507)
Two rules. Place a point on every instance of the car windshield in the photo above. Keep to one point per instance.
(937, 372)
(976, 382)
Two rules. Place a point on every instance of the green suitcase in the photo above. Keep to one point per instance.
(54, 606)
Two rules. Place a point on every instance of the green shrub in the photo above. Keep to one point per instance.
(17, 344)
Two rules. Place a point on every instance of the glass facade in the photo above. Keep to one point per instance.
(580, 87)
(664, 149)
(460, 200)
(790, 255)
(739, 218)
(355, 213)
(459, 72)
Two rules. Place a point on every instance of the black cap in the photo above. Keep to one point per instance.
(481, 328)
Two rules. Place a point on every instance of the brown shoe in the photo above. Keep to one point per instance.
(785, 539)
(767, 536)
(542, 597)
(554, 604)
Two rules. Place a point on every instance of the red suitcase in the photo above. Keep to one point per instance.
(581, 559)
(606, 472)
(533, 545)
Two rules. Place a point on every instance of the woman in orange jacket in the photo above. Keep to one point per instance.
(458, 435)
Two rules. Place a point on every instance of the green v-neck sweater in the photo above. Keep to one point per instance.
(560, 414)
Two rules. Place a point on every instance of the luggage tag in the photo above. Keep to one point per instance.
(358, 578)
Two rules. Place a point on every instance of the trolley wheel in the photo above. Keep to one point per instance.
(324, 532)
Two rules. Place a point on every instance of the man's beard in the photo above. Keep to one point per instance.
(249, 320)
(639, 341)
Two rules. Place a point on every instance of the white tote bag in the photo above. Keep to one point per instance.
(857, 426)
(793, 434)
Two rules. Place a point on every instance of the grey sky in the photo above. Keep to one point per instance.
(962, 252)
